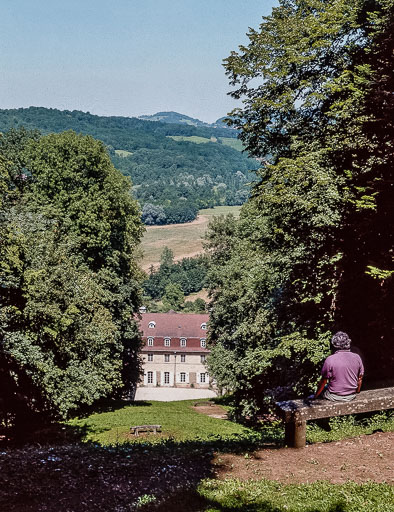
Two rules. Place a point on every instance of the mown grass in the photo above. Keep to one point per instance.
(185, 240)
(182, 423)
(268, 496)
(179, 421)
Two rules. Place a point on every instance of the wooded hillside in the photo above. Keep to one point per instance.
(172, 179)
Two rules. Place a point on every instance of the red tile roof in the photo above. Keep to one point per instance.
(174, 325)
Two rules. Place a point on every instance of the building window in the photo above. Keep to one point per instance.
(204, 326)
(150, 357)
(202, 377)
(150, 342)
(203, 342)
(152, 325)
(166, 358)
(183, 342)
(183, 358)
(167, 342)
(150, 377)
(202, 358)
(183, 377)
(166, 377)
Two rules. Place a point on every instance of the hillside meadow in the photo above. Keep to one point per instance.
(185, 240)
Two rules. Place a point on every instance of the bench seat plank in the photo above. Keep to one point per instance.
(366, 401)
(296, 413)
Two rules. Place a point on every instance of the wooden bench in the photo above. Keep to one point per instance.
(296, 413)
(145, 428)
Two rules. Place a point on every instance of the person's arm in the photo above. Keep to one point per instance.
(321, 386)
(359, 383)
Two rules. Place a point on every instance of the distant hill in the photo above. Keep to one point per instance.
(176, 168)
(176, 118)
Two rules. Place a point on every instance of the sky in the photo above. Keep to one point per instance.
(123, 57)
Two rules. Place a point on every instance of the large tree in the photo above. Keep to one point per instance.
(69, 278)
(313, 249)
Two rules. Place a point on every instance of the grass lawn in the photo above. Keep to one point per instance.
(268, 496)
(176, 472)
(184, 239)
(179, 421)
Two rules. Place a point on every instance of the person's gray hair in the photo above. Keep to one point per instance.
(341, 340)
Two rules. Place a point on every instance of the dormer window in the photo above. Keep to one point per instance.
(150, 342)
(152, 325)
(204, 326)
(183, 342)
(203, 342)
(167, 342)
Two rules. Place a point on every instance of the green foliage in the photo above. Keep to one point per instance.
(173, 297)
(177, 176)
(317, 89)
(68, 274)
(184, 277)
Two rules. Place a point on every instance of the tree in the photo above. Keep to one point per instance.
(69, 277)
(173, 297)
(289, 272)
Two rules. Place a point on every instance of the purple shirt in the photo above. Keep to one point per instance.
(342, 370)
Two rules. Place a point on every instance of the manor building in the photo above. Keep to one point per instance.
(174, 350)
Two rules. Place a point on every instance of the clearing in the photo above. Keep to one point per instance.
(185, 240)
(199, 463)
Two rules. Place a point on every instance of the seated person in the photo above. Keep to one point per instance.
(342, 372)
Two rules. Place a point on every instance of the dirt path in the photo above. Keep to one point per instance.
(214, 411)
(360, 459)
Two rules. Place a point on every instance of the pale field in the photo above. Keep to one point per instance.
(185, 240)
(226, 141)
(202, 294)
(123, 152)
(192, 138)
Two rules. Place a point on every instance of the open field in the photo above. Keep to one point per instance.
(123, 152)
(233, 143)
(226, 141)
(202, 294)
(185, 240)
(192, 138)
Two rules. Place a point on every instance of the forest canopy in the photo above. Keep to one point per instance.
(312, 251)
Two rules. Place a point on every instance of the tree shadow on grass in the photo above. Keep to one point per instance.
(111, 405)
(192, 501)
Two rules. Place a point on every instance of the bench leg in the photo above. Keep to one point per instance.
(295, 434)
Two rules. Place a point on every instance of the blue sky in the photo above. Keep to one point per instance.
(124, 57)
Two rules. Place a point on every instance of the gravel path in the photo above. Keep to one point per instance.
(172, 394)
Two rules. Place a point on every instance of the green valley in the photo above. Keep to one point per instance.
(176, 168)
